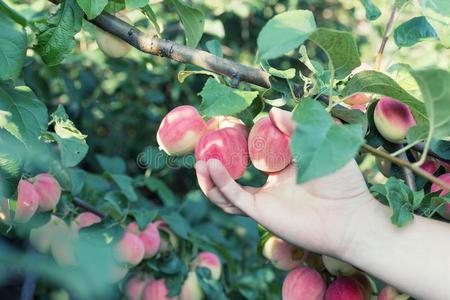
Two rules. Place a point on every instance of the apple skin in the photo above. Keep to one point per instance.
(227, 121)
(27, 201)
(49, 191)
(393, 119)
(135, 287)
(180, 130)
(151, 239)
(303, 283)
(268, 147)
(191, 289)
(130, 249)
(388, 293)
(283, 255)
(346, 288)
(228, 145)
(109, 44)
(156, 290)
(208, 260)
(357, 99)
(337, 267)
(85, 219)
(444, 210)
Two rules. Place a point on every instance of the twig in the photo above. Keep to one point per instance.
(402, 163)
(408, 174)
(13, 14)
(385, 38)
(420, 148)
(80, 203)
(153, 45)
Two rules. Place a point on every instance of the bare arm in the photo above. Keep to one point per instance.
(336, 215)
(415, 259)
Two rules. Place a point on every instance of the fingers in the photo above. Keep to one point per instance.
(211, 191)
(282, 120)
(229, 188)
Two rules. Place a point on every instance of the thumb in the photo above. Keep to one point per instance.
(230, 189)
(282, 120)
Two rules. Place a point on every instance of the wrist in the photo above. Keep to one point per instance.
(358, 225)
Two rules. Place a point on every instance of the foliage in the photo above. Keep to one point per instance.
(91, 121)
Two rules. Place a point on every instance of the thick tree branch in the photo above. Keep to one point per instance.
(153, 45)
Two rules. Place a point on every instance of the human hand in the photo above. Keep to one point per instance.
(320, 215)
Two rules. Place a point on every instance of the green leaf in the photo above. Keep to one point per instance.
(372, 12)
(71, 142)
(13, 45)
(78, 179)
(64, 127)
(221, 100)
(399, 197)
(401, 209)
(434, 85)
(135, 3)
(143, 217)
(413, 31)
(182, 75)
(61, 174)
(164, 192)
(379, 83)
(72, 150)
(285, 74)
(440, 23)
(193, 21)
(441, 148)
(340, 48)
(351, 116)
(56, 38)
(115, 6)
(92, 8)
(439, 6)
(400, 3)
(150, 14)
(177, 223)
(214, 47)
(114, 164)
(125, 184)
(152, 158)
(318, 145)
(285, 32)
(28, 115)
(417, 133)
(251, 112)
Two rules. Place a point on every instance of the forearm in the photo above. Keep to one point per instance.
(414, 259)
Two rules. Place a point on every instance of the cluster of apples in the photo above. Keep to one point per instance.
(393, 119)
(56, 237)
(145, 287)
(225, 138)
(40, 193)
(317, 277)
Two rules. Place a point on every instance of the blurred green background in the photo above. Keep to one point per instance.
(119, 104)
